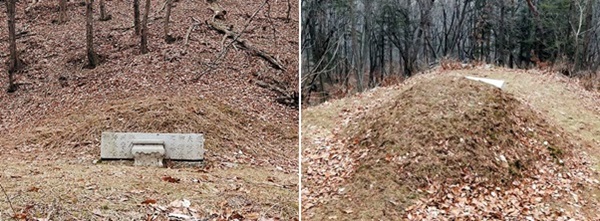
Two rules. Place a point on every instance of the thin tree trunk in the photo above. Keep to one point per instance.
(89, 31)
(103, 15)
(355, 49)
(144, 46)
(136, 16)
(168, 38)
(588, 33)
(391, 62)
(13, 63)
(62, 16)
(289, 9)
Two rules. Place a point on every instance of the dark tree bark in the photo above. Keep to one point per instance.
(168, 38)
(144, 45)
(103, 15)
(355, 48)
(419, 33)
(587, 36)
(62, 16)
(136, 16)
(289, 9)
(93, 60)
(13, 62)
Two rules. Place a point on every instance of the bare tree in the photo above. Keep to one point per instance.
(144, 45)
(375, 35)
(62, 16)
(93, 60)
(289, 9)
(136, 16)
(13, 62)
(355, 56)
(103, 15)
(168, 38)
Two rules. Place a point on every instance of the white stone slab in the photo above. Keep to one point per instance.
(177, 146)
(497, 83)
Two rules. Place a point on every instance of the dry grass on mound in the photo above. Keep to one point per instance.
(226, 130)
(451, 127)
(443, 130)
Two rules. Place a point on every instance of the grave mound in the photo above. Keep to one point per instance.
(446, 130)
(227, 131)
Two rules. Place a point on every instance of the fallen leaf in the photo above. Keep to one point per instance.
(252, 216)
(19, 216)
(171, 179)
(236, 215)
(149, 201)
(33, 189)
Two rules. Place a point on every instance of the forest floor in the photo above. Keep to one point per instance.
(51, 126)
(569, 190)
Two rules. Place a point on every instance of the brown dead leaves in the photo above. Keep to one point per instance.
(550, 194)
(551, 188)
(170, 179)
(186, 210)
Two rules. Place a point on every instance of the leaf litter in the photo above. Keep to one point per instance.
(469, 152)
(51, 126)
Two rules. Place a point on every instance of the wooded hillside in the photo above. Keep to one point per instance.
(78, 69)
(349, 46)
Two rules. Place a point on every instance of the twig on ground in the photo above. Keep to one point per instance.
(264, 214)
(195, 23)
(8, 199)
(268, 15)
(156, 15)
(245, 27)
(235, 39)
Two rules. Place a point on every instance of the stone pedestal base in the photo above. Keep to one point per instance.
(146, 153)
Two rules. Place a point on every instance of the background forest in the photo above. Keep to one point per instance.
(349, 46)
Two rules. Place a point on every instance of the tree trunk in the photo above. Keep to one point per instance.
(103, 15)
(145, 28)
(13, 62)
(168, 37)
(62, 16)
(355, 49)
(136, 16)
(89, 32)
(588, 34)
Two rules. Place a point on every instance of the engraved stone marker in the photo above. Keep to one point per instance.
(189, 147)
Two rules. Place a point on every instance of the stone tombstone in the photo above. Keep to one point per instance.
(494, 82)
(185, 147)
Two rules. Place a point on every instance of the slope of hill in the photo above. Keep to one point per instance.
(441, 147)
(51, 126)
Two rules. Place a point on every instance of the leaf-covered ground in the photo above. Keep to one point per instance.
(51, 126)
(346, 178)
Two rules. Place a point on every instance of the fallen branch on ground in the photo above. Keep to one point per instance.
(244, 44)
(229, 33)
(285, 97)
(195, 23)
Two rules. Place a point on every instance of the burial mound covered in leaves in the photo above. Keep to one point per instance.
(443, 131)
(227, 131)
